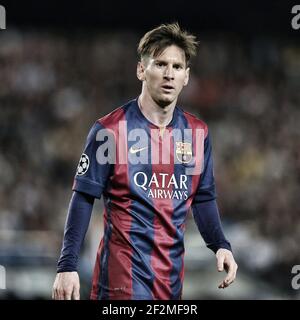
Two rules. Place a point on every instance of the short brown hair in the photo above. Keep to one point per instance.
(156, 40)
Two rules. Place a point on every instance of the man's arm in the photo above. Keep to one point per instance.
(66, 284)
(207, 218)
(89, 182)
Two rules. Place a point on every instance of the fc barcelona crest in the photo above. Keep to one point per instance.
(184, 152)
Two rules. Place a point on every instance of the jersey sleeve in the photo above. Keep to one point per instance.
(206, 190)
(207, 218)
(91, 175)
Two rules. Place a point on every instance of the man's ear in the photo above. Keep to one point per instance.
(140, 71)
(187, 76)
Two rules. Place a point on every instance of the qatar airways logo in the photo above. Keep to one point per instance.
(154, 146)
(162, 185)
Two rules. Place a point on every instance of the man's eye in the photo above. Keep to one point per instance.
(160, 64)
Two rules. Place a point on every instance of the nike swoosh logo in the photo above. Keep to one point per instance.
(132, 150)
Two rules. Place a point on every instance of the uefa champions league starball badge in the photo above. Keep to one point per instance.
(83, 164)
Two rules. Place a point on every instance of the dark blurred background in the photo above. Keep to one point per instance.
(64, 65)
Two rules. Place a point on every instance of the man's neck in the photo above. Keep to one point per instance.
(160, 116)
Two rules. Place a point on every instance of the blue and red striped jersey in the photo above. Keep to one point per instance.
(149, 177)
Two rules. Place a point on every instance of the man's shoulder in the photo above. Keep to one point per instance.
(118, 114)
(194, 121)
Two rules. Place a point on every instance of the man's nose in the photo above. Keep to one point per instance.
(169, 73)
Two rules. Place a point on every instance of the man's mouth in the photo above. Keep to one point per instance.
(167, 87)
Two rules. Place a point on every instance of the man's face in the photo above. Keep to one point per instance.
(164, 76)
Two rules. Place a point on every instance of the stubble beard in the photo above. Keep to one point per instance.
(164, 102)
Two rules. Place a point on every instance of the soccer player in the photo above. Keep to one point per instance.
(151, 162)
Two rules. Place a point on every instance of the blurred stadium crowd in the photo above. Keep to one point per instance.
(53, 86)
